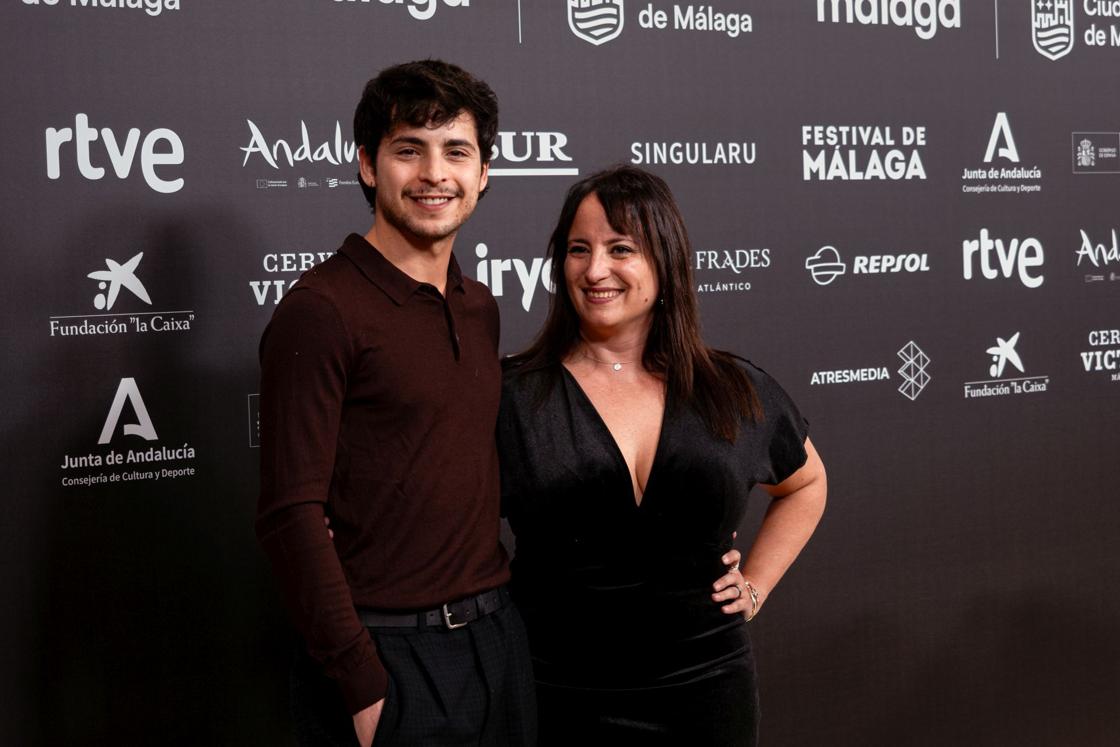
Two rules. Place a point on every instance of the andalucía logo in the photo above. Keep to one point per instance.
(106, 464)
(1004, 358)
(914, 372)
(1052, 27)
(120, 276)
(1098, 257)
(1014, 179)
(596, 21)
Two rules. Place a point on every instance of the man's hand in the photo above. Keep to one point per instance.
(365, 723)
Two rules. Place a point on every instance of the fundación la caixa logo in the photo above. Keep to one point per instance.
(117, 280)
(600, 21)
(825, 265)
(129, 462)
(914, 372)
(90, 147)
(1004, 358)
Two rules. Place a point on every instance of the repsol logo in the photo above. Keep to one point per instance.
(421, 10)
(159, 148)
(524, 275)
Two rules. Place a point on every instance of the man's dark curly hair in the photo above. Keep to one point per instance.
(423, 93)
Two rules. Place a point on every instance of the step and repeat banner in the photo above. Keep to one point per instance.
(907, 211)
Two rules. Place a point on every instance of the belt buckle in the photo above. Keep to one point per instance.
(447, 620)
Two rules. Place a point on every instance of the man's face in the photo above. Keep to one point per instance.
(428, 178)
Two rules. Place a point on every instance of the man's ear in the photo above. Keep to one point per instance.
(484, 178)
(366, 167)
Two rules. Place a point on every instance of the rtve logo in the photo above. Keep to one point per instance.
(160, 147)
(998, 258)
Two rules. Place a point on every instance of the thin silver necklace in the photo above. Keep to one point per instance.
(615, 365)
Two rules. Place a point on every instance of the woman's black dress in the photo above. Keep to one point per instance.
(627, 644)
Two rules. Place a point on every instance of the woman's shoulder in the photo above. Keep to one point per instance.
(520, 378)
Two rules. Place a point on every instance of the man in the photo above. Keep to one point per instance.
(379, 396)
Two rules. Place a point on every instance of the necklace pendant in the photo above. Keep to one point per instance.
(617, 366)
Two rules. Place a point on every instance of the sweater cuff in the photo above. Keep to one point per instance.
(364, 686)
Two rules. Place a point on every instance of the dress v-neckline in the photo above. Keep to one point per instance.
(635, 501)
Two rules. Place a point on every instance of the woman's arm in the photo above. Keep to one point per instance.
(797, 505)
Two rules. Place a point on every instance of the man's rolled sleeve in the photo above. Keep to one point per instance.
(306, 355)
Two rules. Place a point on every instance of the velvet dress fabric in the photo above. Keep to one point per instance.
(627, 644)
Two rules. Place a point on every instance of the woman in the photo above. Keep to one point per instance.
(628, 448)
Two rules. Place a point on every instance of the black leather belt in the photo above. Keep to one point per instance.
(451, 615)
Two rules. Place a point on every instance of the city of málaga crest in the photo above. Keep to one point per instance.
(595, 21)
(1052, 27)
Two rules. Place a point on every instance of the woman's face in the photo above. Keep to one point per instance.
(609, 276)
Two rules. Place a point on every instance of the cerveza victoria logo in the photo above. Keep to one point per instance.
(328, 151)
(826, 264)
(150, 7)
(1004, 358)
(1096, 152)
(862, 153)
(139, 457)
(1100, 261)
(925, 17)
(727, 270)
(1003, 170)
(160, 149)
(124, 306)
(600, 21)
(282, 269)
(1103, 355)
(421, 10)
(914, 373)
(1053, 26)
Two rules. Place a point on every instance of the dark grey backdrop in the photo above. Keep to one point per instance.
(961, 588)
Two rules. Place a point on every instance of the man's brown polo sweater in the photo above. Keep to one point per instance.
(379, 399)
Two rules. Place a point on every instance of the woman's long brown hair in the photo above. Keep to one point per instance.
(639, 204)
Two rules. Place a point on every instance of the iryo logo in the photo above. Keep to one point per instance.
(490, 272)
(121, 155)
